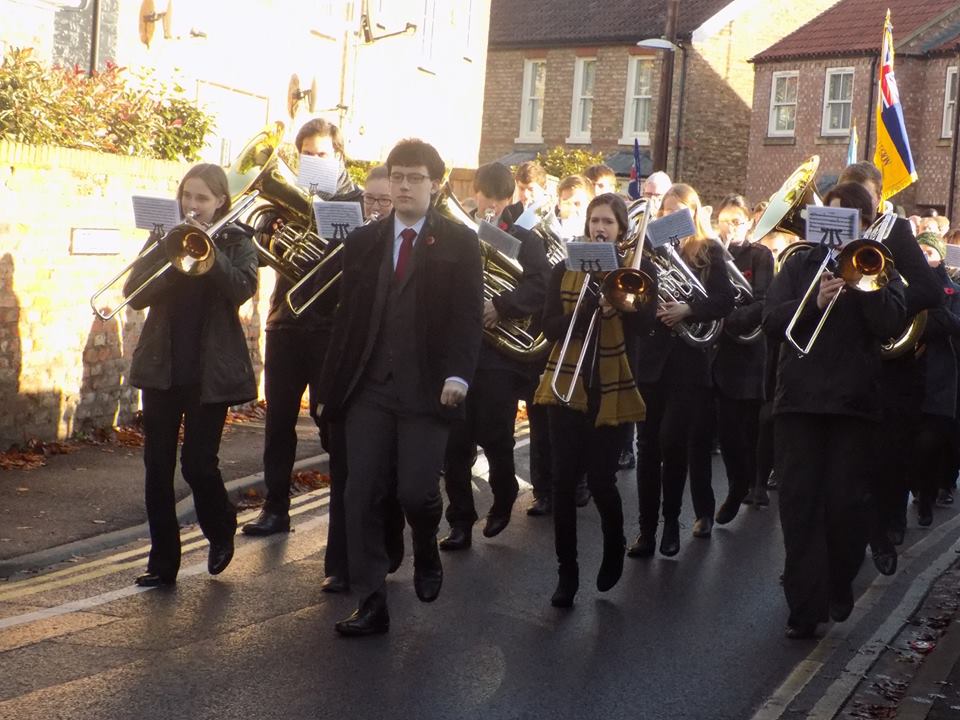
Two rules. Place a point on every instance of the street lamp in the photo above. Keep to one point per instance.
(668, 45)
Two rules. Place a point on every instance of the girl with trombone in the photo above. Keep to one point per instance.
(191, 363)
(827, 409)
(590, 394)
(674, 378)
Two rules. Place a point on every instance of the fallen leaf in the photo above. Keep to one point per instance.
(99, 522)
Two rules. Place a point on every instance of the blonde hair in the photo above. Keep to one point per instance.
(572, 183)
(695, 248)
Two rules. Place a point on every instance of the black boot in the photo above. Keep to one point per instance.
(371, 618)
(670, 540)
(612, 566)
(268, 522)
(567, 585)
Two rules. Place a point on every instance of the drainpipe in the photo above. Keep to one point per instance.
(95, 38)
(683, 82)
(953, 152)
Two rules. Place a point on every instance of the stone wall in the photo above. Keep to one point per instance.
(62, 370)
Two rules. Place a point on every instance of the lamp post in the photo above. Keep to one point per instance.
(668, 43)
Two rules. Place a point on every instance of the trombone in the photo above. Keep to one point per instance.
(865, 265)
(186, 248)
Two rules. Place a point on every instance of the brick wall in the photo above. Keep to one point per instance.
(921, 83)
(62, 370)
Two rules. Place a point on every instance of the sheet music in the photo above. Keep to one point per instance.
(832, 226)
(953, 256)
(149, 212)
(528, 219)
(671, 228)
(592, 256)
(502, 241)
(335, 220)
(318, 175)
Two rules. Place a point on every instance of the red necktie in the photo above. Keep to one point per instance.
(406, 247)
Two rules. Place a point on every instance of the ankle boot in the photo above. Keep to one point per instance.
(612, 566)
(567, 585)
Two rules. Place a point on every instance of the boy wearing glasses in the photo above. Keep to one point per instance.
(376, 193)
(404, 349)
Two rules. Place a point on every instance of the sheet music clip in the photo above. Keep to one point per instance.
(314, 190)
(158, 231)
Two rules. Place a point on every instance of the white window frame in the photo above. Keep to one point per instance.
(526, 136)
(576, 136)
(772, 117)
(949, 106)
(633, 67)
(428, 44)
(825, 130)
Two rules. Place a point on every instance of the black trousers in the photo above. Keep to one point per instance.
(738, 429)
(389, 447)
(896, 437)
(163, 413)
(765, 444)
(578, 448)
(933, 455)
(491, 412)
(825, 513)
(677, 427)
(541, 455)
(292, 363)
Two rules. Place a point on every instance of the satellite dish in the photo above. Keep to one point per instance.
(147, 21)
(295, 95)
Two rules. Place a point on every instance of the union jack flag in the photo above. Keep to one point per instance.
(892, 154)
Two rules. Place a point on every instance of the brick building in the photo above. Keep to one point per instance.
(571, 74)
(815, 84)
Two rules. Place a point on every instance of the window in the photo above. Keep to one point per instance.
(531, 109)
(428, 29)
(783, 104)
(582, 112)
(636, 112)
(837, 101)
(949, 103)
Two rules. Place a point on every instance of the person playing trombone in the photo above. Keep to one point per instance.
(827, 409)
(587, 431)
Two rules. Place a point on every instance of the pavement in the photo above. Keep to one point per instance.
(86, 643)
(91, 497)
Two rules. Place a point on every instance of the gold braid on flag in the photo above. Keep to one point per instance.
(620, 401)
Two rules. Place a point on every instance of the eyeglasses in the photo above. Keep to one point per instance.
(383, 202)
(736, 222)
(412, 178)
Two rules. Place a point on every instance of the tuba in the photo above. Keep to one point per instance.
(785, 211)
(292, 246)
(514, 337)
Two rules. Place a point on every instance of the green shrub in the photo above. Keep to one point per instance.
(115, 111)
(560, 162)
(358, 169)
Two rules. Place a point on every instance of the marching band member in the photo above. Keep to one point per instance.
(587, 434)
(826, 411)
(500, 381)
(531, 181)
(738, 366)
(902, 384)
(574, 193)
(604, 180)
(191, 363)
(674, 379)
(404, 348)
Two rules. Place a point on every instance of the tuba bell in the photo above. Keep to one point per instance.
(785, 211)
(514, 337)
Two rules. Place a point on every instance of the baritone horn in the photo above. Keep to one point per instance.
(187, 248)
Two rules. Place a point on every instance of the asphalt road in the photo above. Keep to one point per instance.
(696, 636)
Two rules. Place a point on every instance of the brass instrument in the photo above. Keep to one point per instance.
(548, 228)
(744, 296)
(513, 337)
(187, 248)
(865, 265)
(294, 249)
(676, 282)
(785, 211)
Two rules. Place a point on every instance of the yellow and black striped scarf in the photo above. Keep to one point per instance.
(620, 401)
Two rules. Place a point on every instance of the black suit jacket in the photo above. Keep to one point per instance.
(448, 316)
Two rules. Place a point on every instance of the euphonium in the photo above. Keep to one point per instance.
(513, 337)
(743, 296)
(676, 282)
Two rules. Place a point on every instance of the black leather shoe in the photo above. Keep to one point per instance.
(567, 585)
(801, 632)
(459, 538)
(496, 524)
(582, 494)
(150, 579)
(219, 556)
(924, 513)
(268, 523)
(611, 568)
(541, 506)
(703, 527)
(628, 460)
(427, 571)
(728, 510)
(371, 618)
(670, 540)
(897, 535)
(842, 606)
(334, 584)
(885, 561)
(645, 546)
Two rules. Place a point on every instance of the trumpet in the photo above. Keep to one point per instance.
(865, 265)
(187, 248)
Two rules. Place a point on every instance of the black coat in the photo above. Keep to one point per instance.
(738, 368)
(663, 355)
(449, 309)
(227, 373)
(841, 375)
(935, 351)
